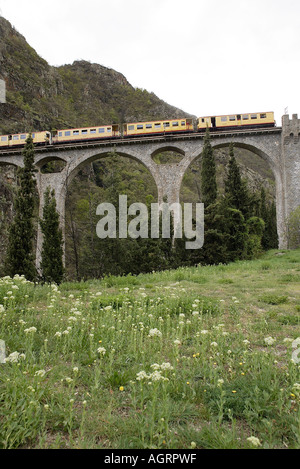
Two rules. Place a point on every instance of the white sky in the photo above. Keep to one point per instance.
(207, 57)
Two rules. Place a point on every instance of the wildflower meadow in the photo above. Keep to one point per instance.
(202, 357)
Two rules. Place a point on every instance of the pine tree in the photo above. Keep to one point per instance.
(52, 249)
(236, 191)
(268, 213)
(208, 173)
(20, 258)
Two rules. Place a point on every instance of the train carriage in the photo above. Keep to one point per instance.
(86, 133)
(158, 127)
(234, 121)
(17, 140)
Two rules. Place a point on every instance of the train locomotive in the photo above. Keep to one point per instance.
(143, 129)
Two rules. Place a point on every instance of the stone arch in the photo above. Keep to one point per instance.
(41, 163)
(262, 153)
(11, 162)
(78, 202)
(168, 148)
(75, 165)
(169, 155)
(252, 147)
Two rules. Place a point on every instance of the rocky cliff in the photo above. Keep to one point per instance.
(40, 96)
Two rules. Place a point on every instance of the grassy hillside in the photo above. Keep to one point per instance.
(193, 358)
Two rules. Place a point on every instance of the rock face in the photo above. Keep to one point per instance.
(81, 94)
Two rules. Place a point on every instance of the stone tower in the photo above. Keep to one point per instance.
(2, 91)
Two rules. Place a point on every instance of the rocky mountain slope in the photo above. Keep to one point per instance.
(40, 96)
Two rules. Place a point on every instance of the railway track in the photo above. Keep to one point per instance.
(117, 141)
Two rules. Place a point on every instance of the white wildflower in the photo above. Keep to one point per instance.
(166, 366)
(154, 333)
(141, 375)
(30, 330)
(13, 357)
(254, 441)
(269, 340)
(101, 351)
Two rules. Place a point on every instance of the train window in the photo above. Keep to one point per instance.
(108, 129)
(33, 135)
(223, 118)
(157, 125)
(84, 131)
(23, 137)
(245, 117)
(166, 124)
(253, 116)
(139, 127)
(68, 133)
(232, 118)
(60, 134)
(148, 126)
(15, 137)
(131, 127)
(93, 131)
(174, 124)
(101, 131)
(263, 116)
(3, 139)
(183, 123)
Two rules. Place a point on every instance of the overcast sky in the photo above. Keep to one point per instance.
(207, 57)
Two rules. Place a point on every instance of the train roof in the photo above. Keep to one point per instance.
(238, 114)
(88, 127)
(160, 120)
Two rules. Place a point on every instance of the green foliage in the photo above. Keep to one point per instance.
(267, 211)
(236, 191)
(208, 173)
(52, 249)
(20, 258)
(256, 227)
(294, 229)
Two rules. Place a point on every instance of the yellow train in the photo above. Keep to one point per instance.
(233, 121)
(18, 140)
(140, 129)
(86, 133)
(158, 127)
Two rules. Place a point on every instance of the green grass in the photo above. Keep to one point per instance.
(192, 358)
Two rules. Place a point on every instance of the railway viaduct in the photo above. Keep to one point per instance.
(279, 146)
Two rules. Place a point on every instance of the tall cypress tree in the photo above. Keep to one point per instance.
(208, 173)
(52, 249)
(20, 258)
(236, 191)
